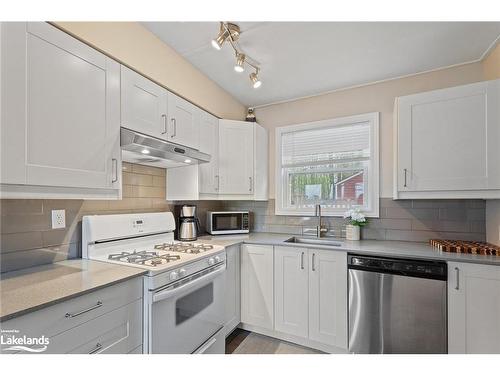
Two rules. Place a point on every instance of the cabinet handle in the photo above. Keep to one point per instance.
(314, 256)
(250, 180)
(96, 348)
(302, 261)
(406, 171)
(164, 117)
(73, 315)
(174, 123)
(457, 285)
(114, 170)
(218, 183)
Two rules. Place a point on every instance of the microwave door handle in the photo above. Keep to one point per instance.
(159, 296)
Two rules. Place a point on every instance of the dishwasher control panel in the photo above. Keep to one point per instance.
(408, 267)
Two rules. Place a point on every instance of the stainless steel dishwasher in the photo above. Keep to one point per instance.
(397, 305)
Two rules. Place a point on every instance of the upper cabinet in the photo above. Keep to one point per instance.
(209, 143)
(236, 157)
(238, 169)
(60, 122)
(183, 121)
(446, 143)
(143, 105)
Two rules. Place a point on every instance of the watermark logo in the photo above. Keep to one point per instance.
(12, 341)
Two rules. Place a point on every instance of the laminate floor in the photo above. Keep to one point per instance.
(245, 342)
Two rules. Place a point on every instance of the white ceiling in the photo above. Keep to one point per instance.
(306, 58)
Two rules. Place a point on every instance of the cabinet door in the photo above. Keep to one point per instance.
(473, 308)
(143, 104)
(257, 285)
(233, 300)
(447, 139)
(63, 110)
(328, 297)
(261, 159)
(184, 121)
(209, 143)
(236, 157)
(291, 290)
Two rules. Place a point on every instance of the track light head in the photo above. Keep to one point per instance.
(227, 30)
(255, 80)
(240, 62)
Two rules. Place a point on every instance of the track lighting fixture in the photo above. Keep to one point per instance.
(240, 62)
(255, 79)
(231, 32)
(227, 30)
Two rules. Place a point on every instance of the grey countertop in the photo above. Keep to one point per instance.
(33, 288)
(419, 250)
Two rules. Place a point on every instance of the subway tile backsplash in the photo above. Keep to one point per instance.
(408, 220)
(27, 238)
(25, 228)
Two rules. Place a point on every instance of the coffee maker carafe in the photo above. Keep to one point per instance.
(189, 225)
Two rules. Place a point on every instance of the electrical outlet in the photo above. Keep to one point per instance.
(58, 219)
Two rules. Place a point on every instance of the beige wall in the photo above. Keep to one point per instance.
(491, 64)
(491, 70)
(377, 97)
(137, 47)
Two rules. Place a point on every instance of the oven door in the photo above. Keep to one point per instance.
(225, 223)
(187, 313)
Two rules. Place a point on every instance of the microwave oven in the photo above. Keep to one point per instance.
(227, 222)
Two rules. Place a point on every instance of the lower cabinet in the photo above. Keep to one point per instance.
(257, 292)
(291, 297)
(108, 320)
(311, 294)
(473, 308)
(233, 300)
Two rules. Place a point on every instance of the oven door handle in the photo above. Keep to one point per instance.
(170, 292)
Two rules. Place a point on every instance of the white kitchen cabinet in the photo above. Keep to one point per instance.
(60, 116)
(328, 297)
(184, 120)
(236, 158)
(311, 294)
(108, 320)
(209, 144)
(257, 290)
(473, 308)
(261, 163)
(291, 290)
(446, 143)
(233, 288)
(144, 104)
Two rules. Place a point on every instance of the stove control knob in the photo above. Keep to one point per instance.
(174, 276)
(217, 259)
(182, 272)
(211, 261)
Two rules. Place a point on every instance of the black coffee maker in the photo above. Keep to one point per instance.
(188, 225)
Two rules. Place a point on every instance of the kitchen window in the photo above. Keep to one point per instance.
(333, 162)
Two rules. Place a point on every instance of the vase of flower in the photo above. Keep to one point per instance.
(355, 220)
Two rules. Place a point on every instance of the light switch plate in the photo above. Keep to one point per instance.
(58, 219)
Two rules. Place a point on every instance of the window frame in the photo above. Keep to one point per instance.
(373, 171)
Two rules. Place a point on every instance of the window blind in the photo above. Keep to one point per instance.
(326, 144)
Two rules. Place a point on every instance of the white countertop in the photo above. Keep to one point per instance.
(418, 250)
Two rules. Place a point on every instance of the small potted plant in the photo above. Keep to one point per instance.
(355, 220)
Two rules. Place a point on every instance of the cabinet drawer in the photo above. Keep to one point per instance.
(117, 332)
(55, 319)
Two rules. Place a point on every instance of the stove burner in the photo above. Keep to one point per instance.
(182, 247)
(128, 256)
(147, 258)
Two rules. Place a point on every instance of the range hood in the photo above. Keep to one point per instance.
(142, 149)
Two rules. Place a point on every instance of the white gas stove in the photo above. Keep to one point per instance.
(184, 280)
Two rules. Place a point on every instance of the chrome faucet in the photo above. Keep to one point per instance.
(320, 229)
